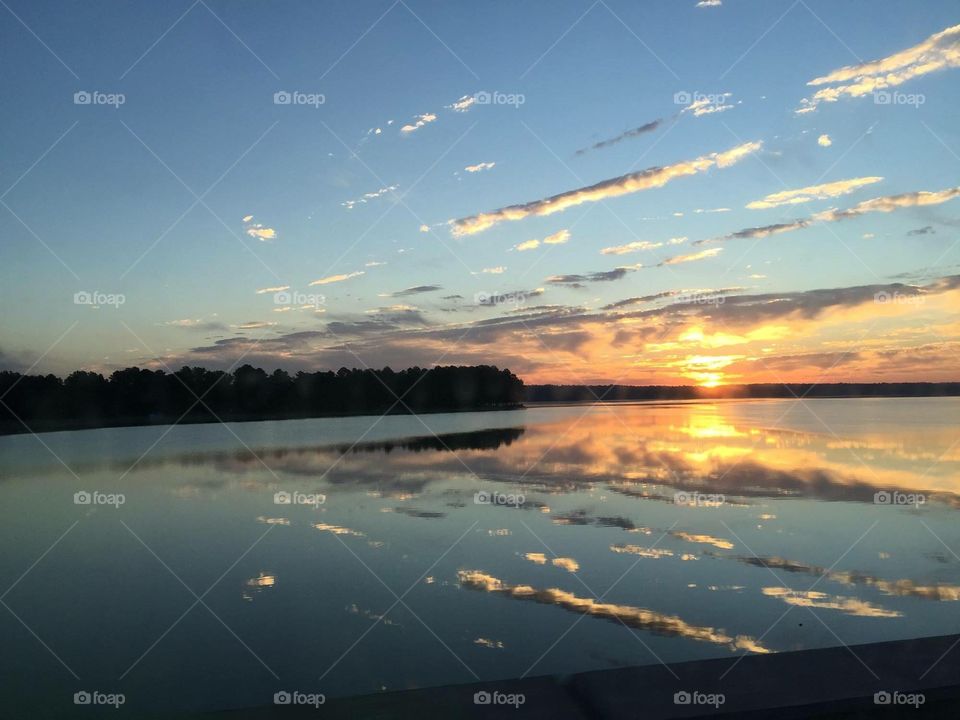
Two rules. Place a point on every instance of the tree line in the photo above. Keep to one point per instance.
(138, 396)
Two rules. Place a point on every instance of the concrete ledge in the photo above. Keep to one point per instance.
(829, 683)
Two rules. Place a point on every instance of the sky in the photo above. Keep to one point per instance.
(677, 192)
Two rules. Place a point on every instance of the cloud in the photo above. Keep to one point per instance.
(258, 230)
(707, 105)
(577, 280)
(824, 141)
(374, 263)
(463, 104)
(421, 121)
(692, 257)
(925, 230)
(632, 247)
(812, 192)
(527, 245)
(367, 197)
(653, 177)
(270, 290)
(643, 129)
(416, 290)
(938, 52)
(337, 278)
(887, 203)
(479, 166)
(709, 3)
(498, 270)
(558, 238)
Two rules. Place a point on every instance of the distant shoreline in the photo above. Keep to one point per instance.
(53, 426)
(565, 394)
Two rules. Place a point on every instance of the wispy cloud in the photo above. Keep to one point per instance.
(420, 122)
(337, 278)
(709, 3)
(708, 106)
(367, 197)
(416, 290)
(812, 192)
(498, 270)
(258, 230)
(527, 245)
(577, 280)
(632, 247)
(641, 130)
(463, 104)
(558, 238)
(885, 204)
(625, 184)
(692, 257)
(271, 290)
(938, 52)
(479, 166)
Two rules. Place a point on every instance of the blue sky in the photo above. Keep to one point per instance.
(103, 198)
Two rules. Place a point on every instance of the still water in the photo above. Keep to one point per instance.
(164, 563)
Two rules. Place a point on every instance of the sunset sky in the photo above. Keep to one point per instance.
(671, 192)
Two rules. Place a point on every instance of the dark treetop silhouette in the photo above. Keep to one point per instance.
(135, 396)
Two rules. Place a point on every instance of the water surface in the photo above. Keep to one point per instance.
(619, 535)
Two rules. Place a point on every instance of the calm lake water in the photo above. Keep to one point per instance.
(549, 540)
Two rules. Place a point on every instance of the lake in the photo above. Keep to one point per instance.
(206, 567)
